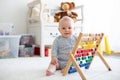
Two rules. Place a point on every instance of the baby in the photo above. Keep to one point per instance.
(62, 45)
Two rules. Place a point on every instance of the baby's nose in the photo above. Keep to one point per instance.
(67, 29)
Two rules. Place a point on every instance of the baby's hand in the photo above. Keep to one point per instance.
(54, 60)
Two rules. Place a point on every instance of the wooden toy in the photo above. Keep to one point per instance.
(83, 53)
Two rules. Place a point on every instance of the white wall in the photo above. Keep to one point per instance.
(99, 16)
(103, 16)
(14, 11)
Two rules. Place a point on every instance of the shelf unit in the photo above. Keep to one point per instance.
(45, 31)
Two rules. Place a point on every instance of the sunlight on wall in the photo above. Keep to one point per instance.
(103, 16)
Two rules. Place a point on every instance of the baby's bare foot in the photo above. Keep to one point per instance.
(48, 73)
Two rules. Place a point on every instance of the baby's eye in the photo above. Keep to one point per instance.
(63, 28)
(69, 27)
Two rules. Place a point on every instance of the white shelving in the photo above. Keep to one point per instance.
(46, 31)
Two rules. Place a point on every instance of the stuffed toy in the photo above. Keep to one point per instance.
(66, 8)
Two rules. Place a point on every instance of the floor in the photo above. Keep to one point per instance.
(33, 68)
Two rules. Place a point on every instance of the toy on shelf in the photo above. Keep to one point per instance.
(27, 45)
(66, 8)
(83, 53)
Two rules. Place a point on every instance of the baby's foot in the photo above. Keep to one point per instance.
(48, 73)
(51, 70)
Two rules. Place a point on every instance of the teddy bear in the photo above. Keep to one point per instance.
(66, 8)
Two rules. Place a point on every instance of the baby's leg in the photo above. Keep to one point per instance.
(51, 70)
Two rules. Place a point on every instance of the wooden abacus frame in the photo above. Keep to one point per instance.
(72, 59)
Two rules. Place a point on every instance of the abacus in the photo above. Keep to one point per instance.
(83, 53)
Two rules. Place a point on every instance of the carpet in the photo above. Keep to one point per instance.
(34, 68)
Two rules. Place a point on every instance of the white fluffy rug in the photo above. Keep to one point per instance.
(33, 68)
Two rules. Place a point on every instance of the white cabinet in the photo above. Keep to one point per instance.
(51, 31)
(35, 31)
(50, 34)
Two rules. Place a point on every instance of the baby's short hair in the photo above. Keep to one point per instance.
(66, 18)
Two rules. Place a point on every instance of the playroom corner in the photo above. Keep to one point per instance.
(28, 29)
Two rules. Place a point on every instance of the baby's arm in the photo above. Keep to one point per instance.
(54, 60)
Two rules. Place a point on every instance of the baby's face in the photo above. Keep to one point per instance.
(66, 29)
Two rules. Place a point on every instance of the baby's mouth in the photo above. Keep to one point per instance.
(66, 33)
